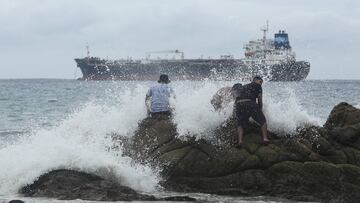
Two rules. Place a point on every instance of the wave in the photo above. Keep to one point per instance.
(83, 140)
(80, 142)
(286, 115)
(194, 115)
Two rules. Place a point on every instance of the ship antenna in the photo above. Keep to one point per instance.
(265, 29)
(87, 50)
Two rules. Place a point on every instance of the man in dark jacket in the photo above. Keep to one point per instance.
(249, 104)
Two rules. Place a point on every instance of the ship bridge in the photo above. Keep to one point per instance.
(281, 40)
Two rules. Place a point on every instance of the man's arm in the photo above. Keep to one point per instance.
(260, 103)
(148, 95)
(172, 93)
(147, 98)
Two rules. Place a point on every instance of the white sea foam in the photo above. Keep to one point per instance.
(285, 116)
(194, 115)
(79, 142)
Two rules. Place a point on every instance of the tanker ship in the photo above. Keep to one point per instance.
(272, 59)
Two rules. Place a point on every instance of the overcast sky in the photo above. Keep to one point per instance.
(40, 38)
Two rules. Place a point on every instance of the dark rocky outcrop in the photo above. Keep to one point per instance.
(318, 164)
(69, 184)
(342, 115)
(16, 201)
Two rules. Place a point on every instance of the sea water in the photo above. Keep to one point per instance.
(49, 124)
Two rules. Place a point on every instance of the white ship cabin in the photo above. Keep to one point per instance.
(268, 51)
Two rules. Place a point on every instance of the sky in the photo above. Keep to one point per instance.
(40, 38)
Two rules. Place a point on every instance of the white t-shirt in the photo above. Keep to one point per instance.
(160, 95)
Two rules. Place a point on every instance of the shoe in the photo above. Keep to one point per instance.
(238, 145)
(266, 142)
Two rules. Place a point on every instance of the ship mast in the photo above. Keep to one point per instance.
(87, 50)
(265, 29)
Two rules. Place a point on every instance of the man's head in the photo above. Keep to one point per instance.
(258, 80)
(236, 87)
(164, 79)
(235, 90)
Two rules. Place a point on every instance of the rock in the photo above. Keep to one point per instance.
(318, 164)
(68, 184)
(342, 115)
(348, 135)
(352, 155)
(318, 181)
(179, 198)
(16, 201)
(343, 125)
(152, 140)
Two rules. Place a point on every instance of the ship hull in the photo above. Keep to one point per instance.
(192, 69)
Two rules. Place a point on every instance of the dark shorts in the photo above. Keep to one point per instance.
(161, 114)
(245, 110)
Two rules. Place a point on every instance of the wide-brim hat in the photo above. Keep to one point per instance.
(164, 78)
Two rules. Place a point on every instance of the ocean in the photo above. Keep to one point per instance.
(48, 124)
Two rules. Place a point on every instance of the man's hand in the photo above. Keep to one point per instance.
(147, 105)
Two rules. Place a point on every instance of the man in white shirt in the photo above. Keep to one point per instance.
(160, 95)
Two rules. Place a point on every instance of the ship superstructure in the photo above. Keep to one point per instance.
(269, 51)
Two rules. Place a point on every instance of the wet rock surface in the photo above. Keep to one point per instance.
(16, 201)
(69, 184)
(317, 164)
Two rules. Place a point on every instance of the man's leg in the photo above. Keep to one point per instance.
(242, 115)
(240, 135)
(259, 117)
(239, 118)
(264, 132)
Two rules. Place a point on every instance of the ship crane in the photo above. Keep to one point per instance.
(176, 51)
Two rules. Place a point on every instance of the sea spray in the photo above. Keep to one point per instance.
(284, 114)
(194, 115)
(79, 142)
(82, 140)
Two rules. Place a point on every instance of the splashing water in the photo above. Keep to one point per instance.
(195, 115)
(82, 140)
(79, 142)
(285, 116)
